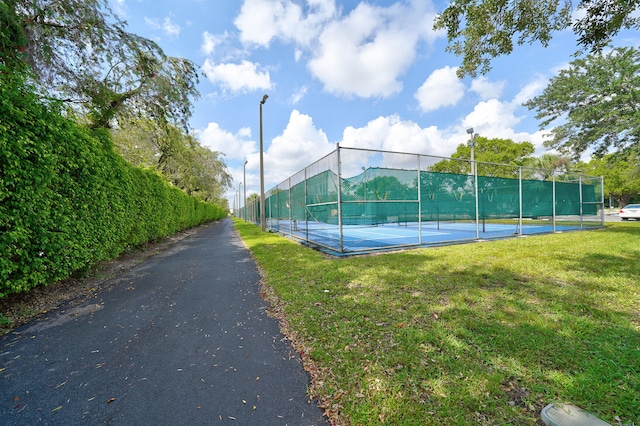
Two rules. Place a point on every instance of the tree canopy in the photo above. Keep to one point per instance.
(179, 157)
(549, 164)
(621, 174)
(595, 103)
(80, 52)
(481, 30)
(496, 157)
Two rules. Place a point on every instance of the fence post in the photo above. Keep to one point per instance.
(580, 189)
(553, 177)
(475, 184)
(290, 210)
(340, 199)
(602, 200)
(520, 198)
(419, 202)
(306, 206)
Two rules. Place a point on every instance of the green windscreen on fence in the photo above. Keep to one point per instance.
(360, 200)
(380, 195)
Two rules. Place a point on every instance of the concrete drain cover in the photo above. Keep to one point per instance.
(569, 415)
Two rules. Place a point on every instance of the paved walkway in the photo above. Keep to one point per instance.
(181, 339)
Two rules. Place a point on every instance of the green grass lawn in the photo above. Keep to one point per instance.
(484, 333)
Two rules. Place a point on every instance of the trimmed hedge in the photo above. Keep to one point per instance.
(68, 200)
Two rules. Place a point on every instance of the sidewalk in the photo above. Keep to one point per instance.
(181, 339)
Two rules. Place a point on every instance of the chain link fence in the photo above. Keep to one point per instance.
(359, 200)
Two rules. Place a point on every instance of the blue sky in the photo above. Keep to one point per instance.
(368, 74)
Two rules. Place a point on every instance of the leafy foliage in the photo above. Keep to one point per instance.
(12, 41)
(176, 155)
(595, 103)
(496, 158)
(80, 52)
(67, 200)
(548, 165)
(480, 30)
(621, 174)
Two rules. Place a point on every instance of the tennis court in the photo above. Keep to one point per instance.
(358, 238)
(357, 201)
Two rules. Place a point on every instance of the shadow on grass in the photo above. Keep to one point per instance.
(414, 335)
(506, 334)
(631, 228)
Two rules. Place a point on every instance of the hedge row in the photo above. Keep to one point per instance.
(68, 201)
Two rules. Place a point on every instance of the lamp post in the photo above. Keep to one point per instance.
(263, 224)
(244, 179)
(239, 201)
(235, 204)
(472, 145)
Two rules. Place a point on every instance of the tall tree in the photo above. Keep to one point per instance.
(80, 52)
(480, 30)
(496, 157)
(178, 156)
(547, 165)
(12, 40)
(595, 103)
(621, 174)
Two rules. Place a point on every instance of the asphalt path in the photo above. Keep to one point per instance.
(181, 339)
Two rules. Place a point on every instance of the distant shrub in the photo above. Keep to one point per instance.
(67, 200)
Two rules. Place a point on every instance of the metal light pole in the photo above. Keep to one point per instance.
(472, 145)
(245, 190)
(239, 201)
(263, 223)
(235, 204)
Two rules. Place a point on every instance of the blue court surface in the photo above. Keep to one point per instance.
(367, 238)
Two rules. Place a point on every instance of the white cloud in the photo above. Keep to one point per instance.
(210, 41)
(120, 8)
(360, 54)
(256, 22)
(492, 117)
(298, 95)
(531, 89)
(487, 89)
(168, 27)
(364, 53)
(241, 77)
(235, 146)
(299, 145)
(442, 88)
(393, 134)
(496, 119)
(260, 21)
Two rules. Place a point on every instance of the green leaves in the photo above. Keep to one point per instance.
(12, 40)
(480, 30)
(604, 19)
(80, 52)
(178, 156)
(621, 174)
(504, 154)
(68, 201)
(593, 104)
